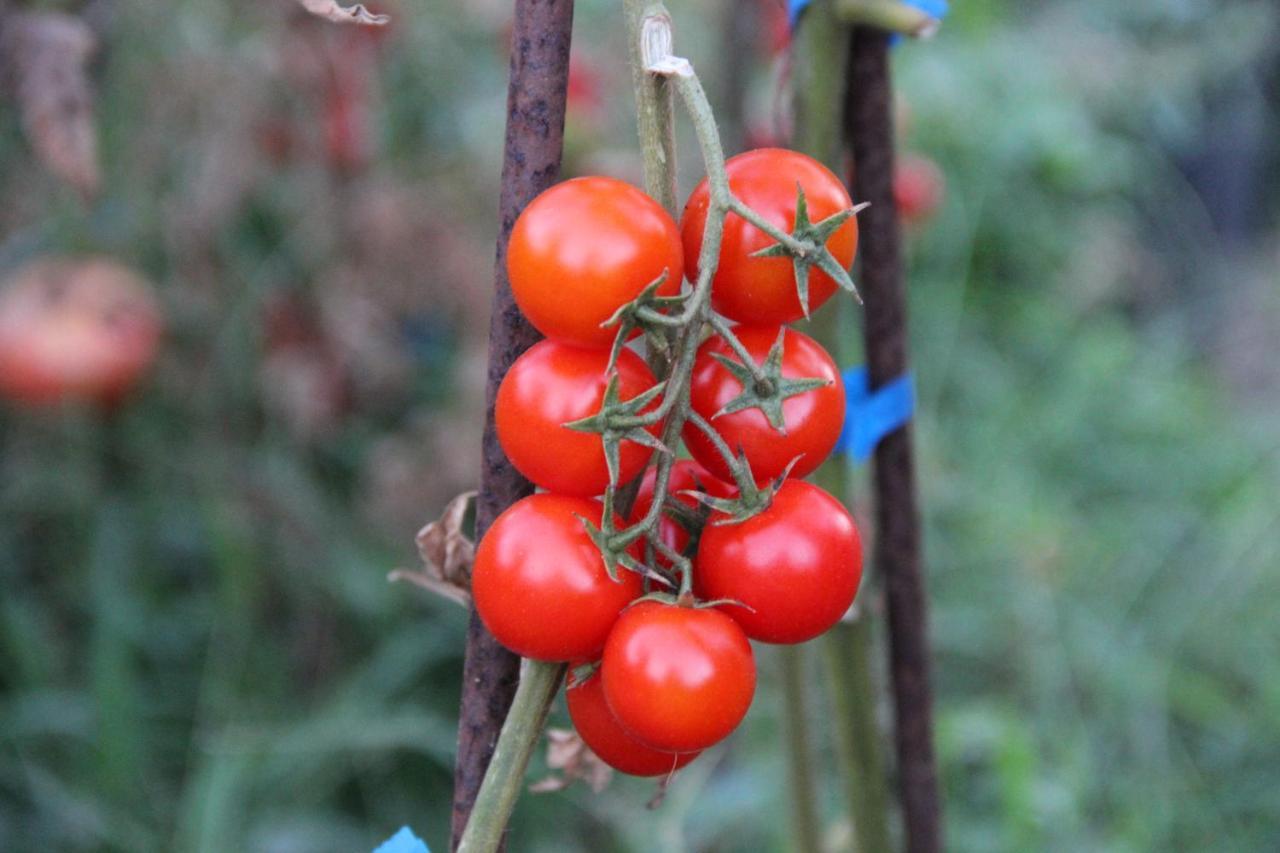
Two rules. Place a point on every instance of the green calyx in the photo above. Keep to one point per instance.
(812, 249)
(621, 420)
(764, 387)
(646, 312)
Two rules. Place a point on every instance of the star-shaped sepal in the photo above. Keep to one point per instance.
(646, 312)
(618, 421)
(749, 502)
(604, 536)
(765, 388)
(813, 237)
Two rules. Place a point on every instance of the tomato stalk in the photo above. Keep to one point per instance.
(503, 780)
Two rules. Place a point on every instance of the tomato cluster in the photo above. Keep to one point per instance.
(659, 676)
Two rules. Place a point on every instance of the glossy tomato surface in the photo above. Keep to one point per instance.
(813, 419)
(678, 678)
(583, 249)
(686, 475)
(601, 731)
(81, 330)
(555, 383)
(540, 584)
(763, 290)
(796, 565)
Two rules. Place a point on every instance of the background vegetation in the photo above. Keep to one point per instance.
(199, 650)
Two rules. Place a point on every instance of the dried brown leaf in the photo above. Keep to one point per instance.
(46, 55)
(333, 11)
(567, 753)
(447, 554)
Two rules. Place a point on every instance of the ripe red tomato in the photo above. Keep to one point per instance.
(583, 249)
(540, 584)
(763, 290)
(796, 565)
(600, 730)
(678, 678)
(686, 475)
(553, 384)
(918, 187)
(76, 330)
(813, 419)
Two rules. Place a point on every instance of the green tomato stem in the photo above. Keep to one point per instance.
(504, 779)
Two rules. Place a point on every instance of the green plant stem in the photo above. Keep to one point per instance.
(504, 779)
(847, 652)
(888, 15)
(820, 77)
(654, 109)
(806, 826)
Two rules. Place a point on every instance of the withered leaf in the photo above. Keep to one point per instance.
(447, 554)
(45, 69)
(333, 11)
(574, 759)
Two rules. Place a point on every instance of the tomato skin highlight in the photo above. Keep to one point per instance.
(584, 248)
(540, 584)
(686, 475)
(550, 385)
(763, 290)
(796, 565)
(678, 678)
(813, 420)
(601, 731)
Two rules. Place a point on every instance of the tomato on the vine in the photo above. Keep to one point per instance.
(796, 565)
(601, 731)
(553, 384)
(686, 476)
(813, 419)
(540, 584)
(678, 678)
(763, 290)
(583, 249)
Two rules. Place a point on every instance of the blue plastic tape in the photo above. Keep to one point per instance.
(934, 8)
(871, 416)
(403, 841)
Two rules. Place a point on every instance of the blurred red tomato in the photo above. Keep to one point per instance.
(75, 330)
(918, 188)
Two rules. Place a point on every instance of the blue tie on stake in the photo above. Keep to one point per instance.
(934, 8)
(872, 416)
(403, 841)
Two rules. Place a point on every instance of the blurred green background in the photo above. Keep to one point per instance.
(199, 649)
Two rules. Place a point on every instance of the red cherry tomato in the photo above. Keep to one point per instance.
(763, 290)
(540, 584)
(918, 188)
(813, 419)
(686, 476)
(553, 384)
(600, 730)
(796, 565)
(75, 330)
(583, 249)
(678, 678)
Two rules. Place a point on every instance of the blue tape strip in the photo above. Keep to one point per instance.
(872, 416)
(403, 841)
(935, 8)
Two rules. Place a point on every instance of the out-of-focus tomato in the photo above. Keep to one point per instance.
(76, 330)
(918, 188)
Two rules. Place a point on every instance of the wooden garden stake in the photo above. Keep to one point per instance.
(536, 99)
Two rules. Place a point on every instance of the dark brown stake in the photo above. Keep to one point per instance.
(869, 116)
(531, 163)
